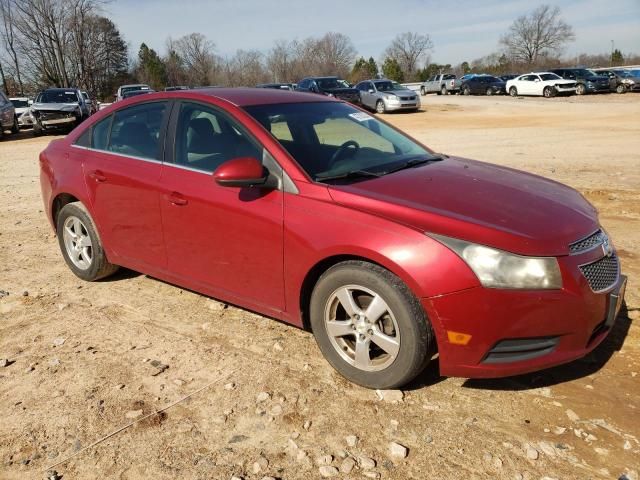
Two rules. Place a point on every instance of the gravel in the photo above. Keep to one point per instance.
(397, 450)
(328, 471)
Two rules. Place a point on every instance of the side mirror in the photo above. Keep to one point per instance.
(241, 172)
(371, 90)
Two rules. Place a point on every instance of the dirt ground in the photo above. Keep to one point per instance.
(82, 355)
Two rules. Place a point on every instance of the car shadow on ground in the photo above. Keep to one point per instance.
(121, 274)
(544, 378)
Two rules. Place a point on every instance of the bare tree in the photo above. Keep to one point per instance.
(245, 69)
(538, 34)
(198, 56)
(410, 50)
(9, 39)
(280, 61)
(334, 54)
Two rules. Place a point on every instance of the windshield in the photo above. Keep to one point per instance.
(133, 88)
(388, 86)
(57, 96)
(635, 73)
(582, 72)
(550, 76)
(331, 138)
(20, 103)
(133, 93)
(328, 83)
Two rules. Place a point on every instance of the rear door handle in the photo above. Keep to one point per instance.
(177, 199)
(98, 176)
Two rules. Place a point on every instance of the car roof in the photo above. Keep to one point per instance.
(134, 85)
(18, 98)
(242, 97)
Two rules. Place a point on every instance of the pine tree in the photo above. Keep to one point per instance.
(391, 70)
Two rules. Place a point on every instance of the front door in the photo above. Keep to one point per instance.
(228, 239)
(122, 170)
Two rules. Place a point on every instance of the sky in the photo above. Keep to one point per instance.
(461, 30)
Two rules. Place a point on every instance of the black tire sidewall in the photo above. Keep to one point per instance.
(99, 259)
(416, 338)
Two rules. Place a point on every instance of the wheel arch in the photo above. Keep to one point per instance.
(315, 272)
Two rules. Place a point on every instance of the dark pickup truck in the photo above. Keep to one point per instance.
(330, 86)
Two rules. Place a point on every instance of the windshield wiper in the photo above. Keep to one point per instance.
(414, 162)
(349, 174)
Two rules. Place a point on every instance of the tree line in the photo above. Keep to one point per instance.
(72, 43)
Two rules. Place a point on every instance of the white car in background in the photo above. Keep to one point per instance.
(22, 105)
(543, 84)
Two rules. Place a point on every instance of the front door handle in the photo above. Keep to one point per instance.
(98, 176)
(177, 199)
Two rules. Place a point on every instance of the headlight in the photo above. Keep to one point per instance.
(393, 98)
(499, 269)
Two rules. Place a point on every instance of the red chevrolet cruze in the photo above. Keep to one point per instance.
(312, 211)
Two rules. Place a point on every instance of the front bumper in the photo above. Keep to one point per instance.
(597, 87)
(519, 331)
(402, 105)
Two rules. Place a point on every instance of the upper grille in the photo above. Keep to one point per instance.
(407, 98)
(587, 243)
(602, 274)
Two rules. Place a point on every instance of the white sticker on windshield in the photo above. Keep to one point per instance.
(69, 93)
(360, 116)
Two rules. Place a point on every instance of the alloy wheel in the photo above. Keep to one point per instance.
(77, 243)
(362, 328)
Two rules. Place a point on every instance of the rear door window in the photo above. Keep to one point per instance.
(136, 130)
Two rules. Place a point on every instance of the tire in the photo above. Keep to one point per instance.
(37, 129)
(466, 91)
(380, 108)
(548, 92)
(78, 236)
(15, 128)
(581, 89)
(621, 88)
(401, 324)
(513, 91)
(489, 92)
(423, 92)
(443, 90)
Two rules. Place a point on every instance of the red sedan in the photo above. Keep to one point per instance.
(312, 211)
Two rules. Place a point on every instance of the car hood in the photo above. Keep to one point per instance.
(55, 107)
(479, 202)
(402, 92)
(21, 110)
(340, 90)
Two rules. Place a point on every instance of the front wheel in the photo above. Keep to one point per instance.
(548, 92)
(466, 91)
(581, 89)
(15, 128)
(489, 92)
(513, 91)
(380, 108)
(369, 326)
(80, 243)
(621, 88)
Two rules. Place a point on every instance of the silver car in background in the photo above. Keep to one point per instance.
(387, 96)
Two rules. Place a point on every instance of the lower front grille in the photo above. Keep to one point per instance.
(519, 349)
(602, 274)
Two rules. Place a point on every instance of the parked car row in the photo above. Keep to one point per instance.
(568, 81)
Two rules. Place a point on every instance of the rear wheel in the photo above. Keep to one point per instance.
(423, 92)
(443, 90)
(513, 91)
(581, 89)
(369, 326)
(548, 92)
(466, 91)
(80, 243)
(380, 108)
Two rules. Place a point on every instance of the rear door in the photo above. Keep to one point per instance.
(122, 170)
(228, 239)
